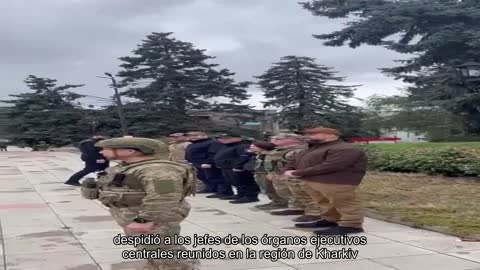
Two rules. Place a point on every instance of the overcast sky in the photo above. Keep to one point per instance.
(74, 41)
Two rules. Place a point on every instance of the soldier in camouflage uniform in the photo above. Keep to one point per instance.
(146, 195)
(176, 152)
(177, 147)
(299, 202)
(261, 149)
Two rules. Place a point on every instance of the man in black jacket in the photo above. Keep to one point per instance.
(94, 161)
(231, 159)
(200, 155)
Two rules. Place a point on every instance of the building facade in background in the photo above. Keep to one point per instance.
(405, 135)
(258, 120)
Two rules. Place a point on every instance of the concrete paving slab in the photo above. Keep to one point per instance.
(21, 230)
(412, 235)
(390, 250)
(349, 265)
(468, 255)
(275, 268)
(445, 245)
(238, 264)
(42, 242)
(422, 262)
(73, 267)
(110, 256)
(71, 233)
(132, 265)
(43, 261)
(102, 242)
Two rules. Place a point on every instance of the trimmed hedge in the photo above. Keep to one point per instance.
(447, 161)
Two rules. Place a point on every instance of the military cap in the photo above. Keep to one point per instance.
(144, 145)
(323, 131)
(196, 133)
(176, 135)
(282, 136)
(264, 145)
(228, 135)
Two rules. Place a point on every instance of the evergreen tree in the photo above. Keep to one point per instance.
(176, 75)
(303, 92)
(438, 35)
(47, 114)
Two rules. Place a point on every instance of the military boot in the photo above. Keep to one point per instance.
(307, 218)
(231, 197)
(317, 224)
(340, 230)
(288, 212)
(271, 206)
(245, 200)
(218, 195)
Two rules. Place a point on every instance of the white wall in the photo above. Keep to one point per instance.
(405, 136)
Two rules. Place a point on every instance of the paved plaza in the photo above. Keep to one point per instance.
(47, 225)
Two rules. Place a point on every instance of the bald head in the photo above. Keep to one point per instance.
(196, 135)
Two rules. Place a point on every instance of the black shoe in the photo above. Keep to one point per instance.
(231, 197)
(218, 195)
(288, 212)
(245, 200)
(73, 184)
(317, 224)
(205, 191)
(339, 231)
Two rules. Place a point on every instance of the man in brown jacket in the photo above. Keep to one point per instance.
(333, 170)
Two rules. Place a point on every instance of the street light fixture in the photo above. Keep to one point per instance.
(470, 70)
(119, 104)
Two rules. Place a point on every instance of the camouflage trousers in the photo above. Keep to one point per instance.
(294, 191)
(124, 216)
(268, 188)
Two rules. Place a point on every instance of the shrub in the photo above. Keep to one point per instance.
(447, 161)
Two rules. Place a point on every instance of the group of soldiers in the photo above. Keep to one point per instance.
(221, 163)
(314, 176)
(323, 197)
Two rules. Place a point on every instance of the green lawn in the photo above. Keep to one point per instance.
(445, 203)
(449, 204)
(406, 146)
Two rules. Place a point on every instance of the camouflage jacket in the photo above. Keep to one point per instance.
(275, 160)
(177, 152)
(155, 187)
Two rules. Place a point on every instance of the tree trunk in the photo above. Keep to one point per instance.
(301, 97)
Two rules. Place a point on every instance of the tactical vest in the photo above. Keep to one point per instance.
(120, 188)
(278, 158)
(260, 163)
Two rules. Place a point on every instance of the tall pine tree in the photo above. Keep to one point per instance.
(305, 95)
(175, 75)
(47, 114)
(437, 35)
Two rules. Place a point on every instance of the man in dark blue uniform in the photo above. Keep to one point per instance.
(93, 159)
(231, 159)
(200, 154)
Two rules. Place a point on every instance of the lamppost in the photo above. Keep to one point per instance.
(470, 71)
(119, 104)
